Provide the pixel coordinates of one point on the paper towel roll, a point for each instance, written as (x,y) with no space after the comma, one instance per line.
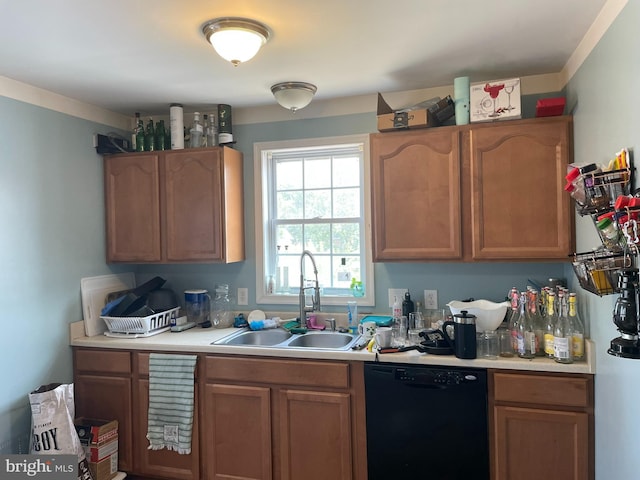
(461,96)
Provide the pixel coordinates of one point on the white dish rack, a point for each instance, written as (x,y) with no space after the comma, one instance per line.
(136,327)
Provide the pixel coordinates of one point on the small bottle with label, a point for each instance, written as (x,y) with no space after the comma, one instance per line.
(563,334)
(578,328)
(195,138)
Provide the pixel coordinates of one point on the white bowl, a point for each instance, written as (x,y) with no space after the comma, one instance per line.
(489,315)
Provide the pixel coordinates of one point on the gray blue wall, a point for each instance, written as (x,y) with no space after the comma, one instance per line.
(51,209)
(605,91)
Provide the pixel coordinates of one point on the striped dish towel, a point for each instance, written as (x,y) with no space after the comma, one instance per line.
(171,390)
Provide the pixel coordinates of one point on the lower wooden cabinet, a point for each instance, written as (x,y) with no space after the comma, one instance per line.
(541,426)
(292,419)
(102,389)
(289,419)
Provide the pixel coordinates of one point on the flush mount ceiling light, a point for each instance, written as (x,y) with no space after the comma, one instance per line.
(236,39)
(293,95)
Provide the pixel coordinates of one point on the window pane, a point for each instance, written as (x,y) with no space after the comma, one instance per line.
(317,204)
(317,173)
(346,238)
(323,263)
(346,171)
(289,205)
(289,175)
(344,273)
(289,237)
(346,203)
(317,238)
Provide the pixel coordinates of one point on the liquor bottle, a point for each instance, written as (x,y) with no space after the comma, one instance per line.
(150,137)
(578,328)
(139,133)
(205,127)
(550,324)
(537,321)
(161,136)
(563,334)
(212,132)
(527,345)
(195,140)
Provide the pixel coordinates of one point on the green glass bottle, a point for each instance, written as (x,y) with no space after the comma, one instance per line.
(150,137)
(139,133)
(161,136)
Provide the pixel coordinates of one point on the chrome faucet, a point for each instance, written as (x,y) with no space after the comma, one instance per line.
(315,307)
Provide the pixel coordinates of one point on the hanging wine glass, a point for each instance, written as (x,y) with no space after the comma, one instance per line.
(494,91)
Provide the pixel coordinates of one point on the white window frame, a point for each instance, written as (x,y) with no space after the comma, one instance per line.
(261,177)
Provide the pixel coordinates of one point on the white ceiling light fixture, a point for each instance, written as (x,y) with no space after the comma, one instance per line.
(294,95)
(236,39)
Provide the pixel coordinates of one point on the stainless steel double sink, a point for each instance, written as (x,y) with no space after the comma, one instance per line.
(279,338)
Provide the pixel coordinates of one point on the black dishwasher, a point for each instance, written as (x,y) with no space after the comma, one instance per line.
(426,422)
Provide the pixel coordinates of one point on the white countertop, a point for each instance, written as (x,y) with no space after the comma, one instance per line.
(198,340)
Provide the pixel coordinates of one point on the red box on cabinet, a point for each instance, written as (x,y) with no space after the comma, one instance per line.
(550,107)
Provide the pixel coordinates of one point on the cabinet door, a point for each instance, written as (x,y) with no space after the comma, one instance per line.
(193,191)
(315,435)
(519,208)
(416,195)
(530,444)
(132,202)
(162,463)
(108,398)
(236,436)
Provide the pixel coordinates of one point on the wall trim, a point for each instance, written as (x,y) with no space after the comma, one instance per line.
(46,99)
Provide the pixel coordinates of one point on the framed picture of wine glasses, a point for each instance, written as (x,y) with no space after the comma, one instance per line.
(495,100)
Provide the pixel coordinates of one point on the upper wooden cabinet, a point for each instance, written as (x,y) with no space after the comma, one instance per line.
(473,193)
(175,206)
(416,195)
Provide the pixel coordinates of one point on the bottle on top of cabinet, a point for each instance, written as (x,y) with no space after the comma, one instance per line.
(139,133)
(195,139)
(150,137)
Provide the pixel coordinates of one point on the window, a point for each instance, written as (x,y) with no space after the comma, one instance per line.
(313,195)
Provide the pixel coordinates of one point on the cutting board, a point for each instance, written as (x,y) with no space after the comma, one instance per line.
(94,293)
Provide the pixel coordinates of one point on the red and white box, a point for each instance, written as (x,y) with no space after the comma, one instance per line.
(495,100)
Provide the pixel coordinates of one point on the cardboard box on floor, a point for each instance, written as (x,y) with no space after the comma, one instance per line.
(100,441)
(431,113)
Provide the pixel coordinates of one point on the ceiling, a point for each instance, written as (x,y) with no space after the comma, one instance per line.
(128,56)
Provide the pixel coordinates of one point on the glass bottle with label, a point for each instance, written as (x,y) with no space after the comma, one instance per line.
(550,324)
(578,328)
(563,333)
(527,344)
(195,138)
(537,321)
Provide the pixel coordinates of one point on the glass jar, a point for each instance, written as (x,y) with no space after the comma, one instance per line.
(221,316)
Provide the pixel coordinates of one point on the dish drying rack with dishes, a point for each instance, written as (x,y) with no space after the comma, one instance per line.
(607,197)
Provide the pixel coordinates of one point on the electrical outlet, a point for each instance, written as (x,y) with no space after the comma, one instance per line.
(243,296)
(431,299)
(396,292)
